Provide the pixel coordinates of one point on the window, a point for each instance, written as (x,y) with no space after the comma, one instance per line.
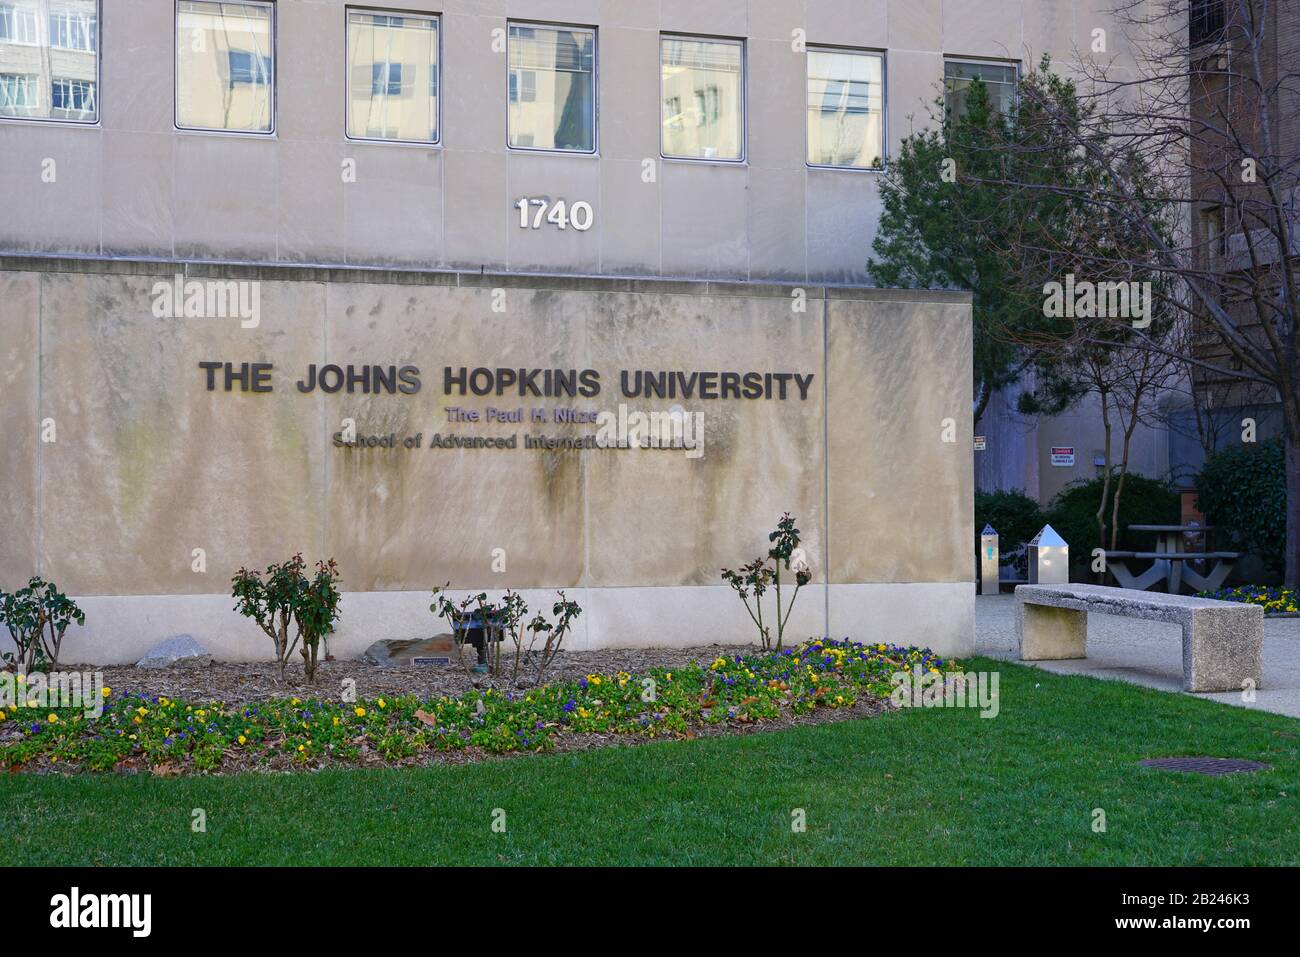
(999,81)
(73,96)
(845,109)
(73,29)
(393,84)
(705,78)
(552,88)
(225,66)
(1213,237)
(39,37)
(18,24)
(18,93)
(1206,21)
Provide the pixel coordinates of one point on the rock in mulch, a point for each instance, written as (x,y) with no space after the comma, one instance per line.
(181,651)
(398,653)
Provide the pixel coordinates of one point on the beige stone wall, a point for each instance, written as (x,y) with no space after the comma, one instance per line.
(148,465)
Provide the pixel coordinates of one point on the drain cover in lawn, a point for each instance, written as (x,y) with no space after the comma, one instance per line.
(1205,765)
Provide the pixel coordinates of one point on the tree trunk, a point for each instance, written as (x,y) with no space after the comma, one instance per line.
(1105,482)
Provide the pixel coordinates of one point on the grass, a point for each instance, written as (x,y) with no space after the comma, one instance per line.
(915,787)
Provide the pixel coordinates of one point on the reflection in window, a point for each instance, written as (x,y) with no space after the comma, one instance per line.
(18,24)
(73,96)
(702,97)
(247,67)
(552,88)
(845,109)
(224,66)
(72,29)
(999,80)
(392,77)
(42,38)
(19,94)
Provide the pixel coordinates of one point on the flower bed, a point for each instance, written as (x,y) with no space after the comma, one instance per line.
(1278,602)
(167,735)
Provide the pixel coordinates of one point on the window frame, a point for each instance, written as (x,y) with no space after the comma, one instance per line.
(981,61)
(347,79)
(98,81)
(883,56)
(595,87)
(275,73)
(743,159)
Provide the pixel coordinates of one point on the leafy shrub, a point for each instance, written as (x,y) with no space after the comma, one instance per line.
(1242,491)
(286,595)
(1014,516)
(37,618)
(509,618)
(756,577)
(1146,501)
(316,612)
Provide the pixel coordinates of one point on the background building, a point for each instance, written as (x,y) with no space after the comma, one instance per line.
(696,163)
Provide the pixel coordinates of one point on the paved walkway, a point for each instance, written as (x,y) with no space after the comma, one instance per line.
(1149,653)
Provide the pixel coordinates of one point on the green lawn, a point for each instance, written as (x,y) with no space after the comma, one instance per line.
(917,787)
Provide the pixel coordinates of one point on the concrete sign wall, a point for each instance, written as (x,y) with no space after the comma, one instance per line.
(424,428)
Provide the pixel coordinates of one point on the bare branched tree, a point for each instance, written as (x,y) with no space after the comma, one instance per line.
(1191,132)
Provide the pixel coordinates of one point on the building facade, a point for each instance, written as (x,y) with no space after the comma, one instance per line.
(258,256)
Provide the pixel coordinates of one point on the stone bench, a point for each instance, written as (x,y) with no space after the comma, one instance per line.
(1222,641)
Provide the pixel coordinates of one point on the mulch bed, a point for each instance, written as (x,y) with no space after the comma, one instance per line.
(244,682)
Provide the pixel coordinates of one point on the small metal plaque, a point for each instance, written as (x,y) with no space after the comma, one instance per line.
(1205,765)
(431,661)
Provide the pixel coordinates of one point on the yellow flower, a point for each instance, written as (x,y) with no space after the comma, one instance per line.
(295,702)
(2,714)
(382,703)
(21,678)
(336,722)
(359,711)
(142,711)
(107,692)
(54,719)
(138,720)
(242,739)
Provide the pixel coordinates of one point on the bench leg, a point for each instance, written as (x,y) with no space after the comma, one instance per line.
(1211,582)
(1141,582)
(1051,634)
(1223,650)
